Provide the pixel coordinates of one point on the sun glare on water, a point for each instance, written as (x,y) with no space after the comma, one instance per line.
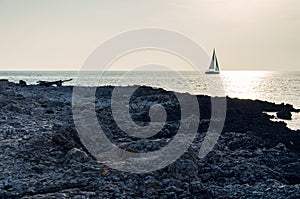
(243,84)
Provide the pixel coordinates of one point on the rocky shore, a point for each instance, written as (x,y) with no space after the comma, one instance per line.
(42,155)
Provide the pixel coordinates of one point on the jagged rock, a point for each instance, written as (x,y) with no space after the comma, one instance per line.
(77,155)
(22,83)
(49,111)
(284,114)
(42,155)
(292,174)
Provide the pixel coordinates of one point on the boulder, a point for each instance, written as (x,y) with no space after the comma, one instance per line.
(22,83)
(77,155)
(284,114)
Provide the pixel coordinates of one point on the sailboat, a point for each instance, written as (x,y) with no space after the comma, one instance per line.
(214,66)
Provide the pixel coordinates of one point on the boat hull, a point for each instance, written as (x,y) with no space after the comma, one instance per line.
(212,72)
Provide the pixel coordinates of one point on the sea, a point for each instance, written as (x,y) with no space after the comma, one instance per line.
(273,86)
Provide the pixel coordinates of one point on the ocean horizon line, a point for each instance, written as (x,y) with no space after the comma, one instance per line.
(144,71)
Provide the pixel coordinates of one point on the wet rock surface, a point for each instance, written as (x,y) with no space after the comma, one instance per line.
(42,155)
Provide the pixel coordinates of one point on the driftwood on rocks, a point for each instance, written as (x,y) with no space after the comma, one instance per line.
(57,83)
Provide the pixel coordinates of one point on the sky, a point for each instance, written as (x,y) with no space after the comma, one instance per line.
(60,34)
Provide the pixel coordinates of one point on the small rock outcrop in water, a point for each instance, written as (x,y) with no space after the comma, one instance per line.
(42,156)
(284,114)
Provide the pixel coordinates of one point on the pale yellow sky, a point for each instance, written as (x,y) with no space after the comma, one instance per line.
(60,34)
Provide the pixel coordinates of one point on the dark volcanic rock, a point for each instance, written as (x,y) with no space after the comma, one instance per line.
(22,83)
(77,155)
(42,155)
(284,114)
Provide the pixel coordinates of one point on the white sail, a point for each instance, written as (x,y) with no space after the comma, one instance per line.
(214,65)
(217,65)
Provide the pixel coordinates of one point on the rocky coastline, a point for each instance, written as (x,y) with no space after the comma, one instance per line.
(42,155)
